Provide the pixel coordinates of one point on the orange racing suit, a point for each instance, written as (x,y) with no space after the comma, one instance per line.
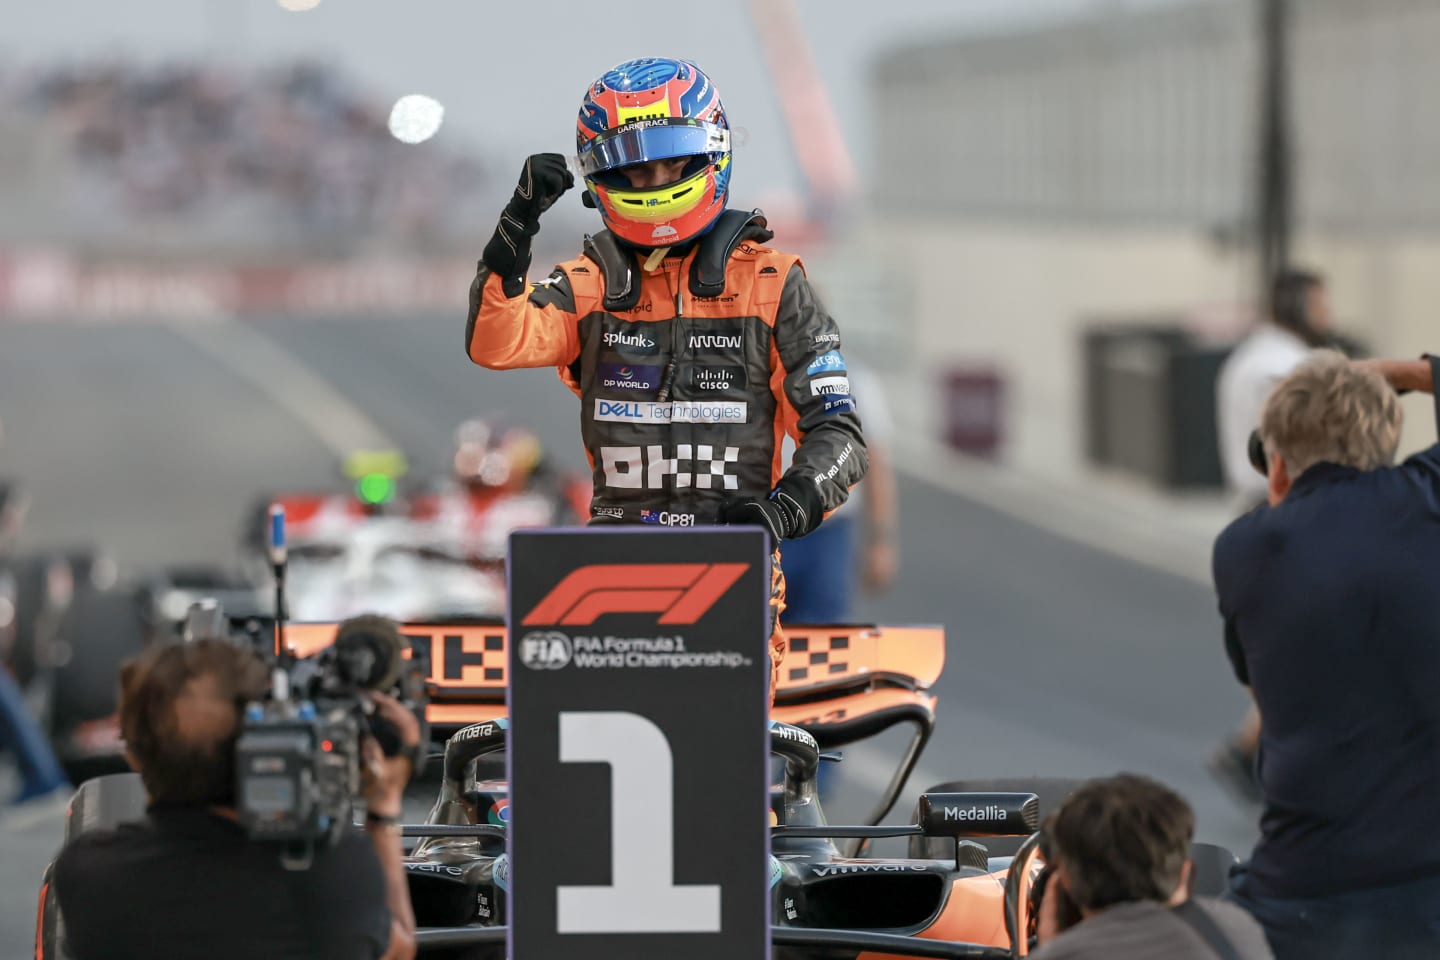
(689,375)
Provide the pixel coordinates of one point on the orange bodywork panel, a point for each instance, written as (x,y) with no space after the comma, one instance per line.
(819,715)
(820,657)
(974,913)
(468,667)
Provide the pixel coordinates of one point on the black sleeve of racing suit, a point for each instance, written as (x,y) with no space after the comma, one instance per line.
(830,445)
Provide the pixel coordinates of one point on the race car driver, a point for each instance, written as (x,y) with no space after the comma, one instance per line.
(692,346)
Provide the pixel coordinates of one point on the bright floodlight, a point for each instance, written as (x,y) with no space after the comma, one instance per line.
(298,6)
(415,118)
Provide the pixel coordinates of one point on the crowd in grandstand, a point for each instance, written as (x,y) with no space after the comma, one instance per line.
(294,150)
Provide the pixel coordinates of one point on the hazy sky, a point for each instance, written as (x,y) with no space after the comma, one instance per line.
(511,74)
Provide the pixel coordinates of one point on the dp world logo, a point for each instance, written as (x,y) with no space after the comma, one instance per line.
(545,650)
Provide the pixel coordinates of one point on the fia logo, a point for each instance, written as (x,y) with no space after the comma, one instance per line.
(545,650)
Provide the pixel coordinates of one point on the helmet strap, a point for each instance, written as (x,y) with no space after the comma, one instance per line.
(653,261)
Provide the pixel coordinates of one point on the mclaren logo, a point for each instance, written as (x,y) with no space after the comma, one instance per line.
(681,593)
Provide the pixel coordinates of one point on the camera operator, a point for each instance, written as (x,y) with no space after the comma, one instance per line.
(1332,618)
(186,881)
(1118,881)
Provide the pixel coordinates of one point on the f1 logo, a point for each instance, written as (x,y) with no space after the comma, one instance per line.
(681,593)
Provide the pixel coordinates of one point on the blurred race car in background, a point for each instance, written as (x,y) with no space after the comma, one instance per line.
(378,541)
(429,553)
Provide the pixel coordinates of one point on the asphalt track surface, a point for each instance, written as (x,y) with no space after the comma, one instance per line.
(1062,660)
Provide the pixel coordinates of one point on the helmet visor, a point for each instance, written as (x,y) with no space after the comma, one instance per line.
(647,140)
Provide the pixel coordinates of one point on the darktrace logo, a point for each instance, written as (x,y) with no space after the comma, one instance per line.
(769,271)
(681,593)
(629,376)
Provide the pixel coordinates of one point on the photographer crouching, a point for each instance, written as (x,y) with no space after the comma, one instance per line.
(188,881)
(1331,606)
(1118,877)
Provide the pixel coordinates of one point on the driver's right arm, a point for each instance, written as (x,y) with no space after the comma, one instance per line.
(538,328)
(513,323)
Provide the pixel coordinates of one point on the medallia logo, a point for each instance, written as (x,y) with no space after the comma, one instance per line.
(618,376)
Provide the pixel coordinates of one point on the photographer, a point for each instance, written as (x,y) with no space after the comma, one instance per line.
(1332,614)
(187,881)
(1118,881)
(1299,321)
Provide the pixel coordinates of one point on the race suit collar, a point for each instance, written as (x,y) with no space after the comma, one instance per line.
(619,262)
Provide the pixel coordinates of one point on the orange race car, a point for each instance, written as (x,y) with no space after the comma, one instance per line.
(965,890)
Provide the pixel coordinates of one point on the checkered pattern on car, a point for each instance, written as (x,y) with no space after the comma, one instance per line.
(817,656)
(486,652)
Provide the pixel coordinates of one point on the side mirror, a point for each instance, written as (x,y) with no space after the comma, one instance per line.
(957,815)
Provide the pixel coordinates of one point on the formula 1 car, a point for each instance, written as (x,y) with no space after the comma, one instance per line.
(410,551)
(951,897)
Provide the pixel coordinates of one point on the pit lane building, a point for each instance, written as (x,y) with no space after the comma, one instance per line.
(1027,184)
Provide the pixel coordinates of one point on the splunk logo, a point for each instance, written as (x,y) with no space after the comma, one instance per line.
(633,341)
(681,593)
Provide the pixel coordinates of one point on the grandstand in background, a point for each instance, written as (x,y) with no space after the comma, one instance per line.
(184,161)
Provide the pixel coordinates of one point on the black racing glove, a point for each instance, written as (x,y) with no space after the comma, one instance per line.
(544,180)
(792,510)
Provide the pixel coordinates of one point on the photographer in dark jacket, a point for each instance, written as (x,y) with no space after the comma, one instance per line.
(187,882)
(1332,618)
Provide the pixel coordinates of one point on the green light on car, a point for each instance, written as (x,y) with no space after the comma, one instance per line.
(375,488)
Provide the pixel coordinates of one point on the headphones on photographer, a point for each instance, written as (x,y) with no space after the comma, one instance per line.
(1259,459)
